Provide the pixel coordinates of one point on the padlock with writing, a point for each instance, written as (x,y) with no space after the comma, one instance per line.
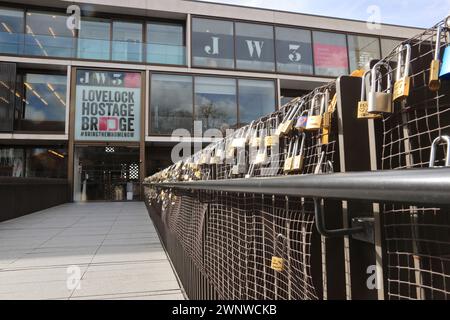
(277,262)
(380,101)
(363,103)
(314,122)
(300,124)
(297,164)
(402,79)
(434,83)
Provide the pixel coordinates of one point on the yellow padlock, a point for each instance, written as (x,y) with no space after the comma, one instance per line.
(292,150)
(277,262)
(314,122)
(401,86)
(297,164)
(435,83)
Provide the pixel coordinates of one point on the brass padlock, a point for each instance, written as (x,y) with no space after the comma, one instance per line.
(326,117)
(299,158)
(363,105)
(292,150)
(277,262)
(380,101)
(314,122)
(401,86)
(434,84)
(288,123)
(271,139)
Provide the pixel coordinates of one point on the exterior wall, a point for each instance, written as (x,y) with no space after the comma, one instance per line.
(182,10)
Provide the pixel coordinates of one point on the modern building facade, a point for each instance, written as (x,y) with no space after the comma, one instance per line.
(91,91)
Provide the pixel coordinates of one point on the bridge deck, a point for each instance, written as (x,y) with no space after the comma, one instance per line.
(112,247)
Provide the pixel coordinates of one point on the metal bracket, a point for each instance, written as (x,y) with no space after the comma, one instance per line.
(368,225)
(321,226)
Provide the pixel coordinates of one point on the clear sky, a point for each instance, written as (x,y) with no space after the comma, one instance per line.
(416,13)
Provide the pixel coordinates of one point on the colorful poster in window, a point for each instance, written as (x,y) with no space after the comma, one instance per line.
(330,56)
(108,105)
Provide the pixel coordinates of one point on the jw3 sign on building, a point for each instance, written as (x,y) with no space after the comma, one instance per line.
(108,106)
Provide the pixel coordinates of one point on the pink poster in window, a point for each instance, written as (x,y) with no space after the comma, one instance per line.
(330,56)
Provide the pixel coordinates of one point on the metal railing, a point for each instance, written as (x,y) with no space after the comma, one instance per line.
(261,215)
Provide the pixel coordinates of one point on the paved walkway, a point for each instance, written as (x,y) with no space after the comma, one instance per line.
(112,247)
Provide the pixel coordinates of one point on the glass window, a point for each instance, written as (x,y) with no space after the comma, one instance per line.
(215,102)
(387,45)
(256,99)
(46,162)
(48,35)
(127,41)
(330,54)
(212,43)
(11,31)
(294,50)
(7,96)
(362,50)
(94,39)
(44,105)
(165,43)
(42,162)
(254,47)
(171,99)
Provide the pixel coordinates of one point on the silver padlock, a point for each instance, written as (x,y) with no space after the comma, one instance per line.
(434,146)
(379,101)
(241,164)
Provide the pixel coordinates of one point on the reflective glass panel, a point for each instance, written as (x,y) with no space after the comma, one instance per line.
(165,43)
(256,99)
(127,41)
(330,54)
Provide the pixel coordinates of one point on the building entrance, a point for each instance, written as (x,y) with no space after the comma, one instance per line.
(106,173)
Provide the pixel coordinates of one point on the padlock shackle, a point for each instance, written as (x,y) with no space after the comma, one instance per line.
(434,146)
(314,102)
(437,47)
(404,47)
(280,238)
(376,70)
(302,145)
(363,85)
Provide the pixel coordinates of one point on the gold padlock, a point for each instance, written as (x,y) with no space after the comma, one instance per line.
(297,164)
(289,160)
(363,104)
(434,83)
(271,141)
(277,262)
(314,122)
(287,124)
(401,86)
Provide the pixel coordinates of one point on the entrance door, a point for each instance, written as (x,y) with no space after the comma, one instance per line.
(106,173)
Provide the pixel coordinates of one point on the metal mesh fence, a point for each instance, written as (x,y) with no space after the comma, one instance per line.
(253,246)
(417,239)
(232,238)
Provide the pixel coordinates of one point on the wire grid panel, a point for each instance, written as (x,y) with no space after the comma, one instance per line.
(244,232)
(185,219)
(417,238)
(418,252)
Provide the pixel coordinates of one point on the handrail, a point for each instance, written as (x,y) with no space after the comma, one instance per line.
(426,186)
